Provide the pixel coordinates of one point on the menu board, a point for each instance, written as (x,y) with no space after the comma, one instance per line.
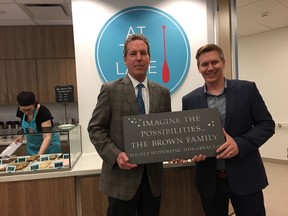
(64,94)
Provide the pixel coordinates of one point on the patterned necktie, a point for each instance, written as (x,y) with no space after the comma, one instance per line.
(140,101)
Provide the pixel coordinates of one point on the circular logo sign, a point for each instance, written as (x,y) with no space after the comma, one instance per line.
(169,46)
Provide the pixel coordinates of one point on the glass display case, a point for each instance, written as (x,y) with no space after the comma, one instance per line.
(14,157)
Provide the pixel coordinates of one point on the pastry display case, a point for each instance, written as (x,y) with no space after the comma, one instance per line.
(15,160)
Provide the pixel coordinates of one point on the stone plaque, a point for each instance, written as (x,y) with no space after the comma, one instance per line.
(166,136)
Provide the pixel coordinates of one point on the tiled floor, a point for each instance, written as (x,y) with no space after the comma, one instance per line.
(276,194)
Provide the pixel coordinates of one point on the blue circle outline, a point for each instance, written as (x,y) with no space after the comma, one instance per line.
(153,9)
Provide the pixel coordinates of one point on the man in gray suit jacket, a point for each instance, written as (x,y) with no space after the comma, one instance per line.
(130,188)
(237,173)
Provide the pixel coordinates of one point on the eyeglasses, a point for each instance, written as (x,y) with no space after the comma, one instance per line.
(26,110)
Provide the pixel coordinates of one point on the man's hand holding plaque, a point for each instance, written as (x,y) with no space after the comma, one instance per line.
(228,150)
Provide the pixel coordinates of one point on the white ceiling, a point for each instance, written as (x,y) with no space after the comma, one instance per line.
(254,16)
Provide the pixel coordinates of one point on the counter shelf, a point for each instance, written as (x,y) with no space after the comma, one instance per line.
(21,163)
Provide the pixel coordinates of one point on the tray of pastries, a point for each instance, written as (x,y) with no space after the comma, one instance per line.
(25,163)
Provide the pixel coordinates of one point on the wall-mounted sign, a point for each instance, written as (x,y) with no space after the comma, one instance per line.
(170,49)
(64,94)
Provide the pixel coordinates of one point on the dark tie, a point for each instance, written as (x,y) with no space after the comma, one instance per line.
(140,101)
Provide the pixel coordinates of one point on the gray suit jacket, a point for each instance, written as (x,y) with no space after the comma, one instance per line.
(117,99)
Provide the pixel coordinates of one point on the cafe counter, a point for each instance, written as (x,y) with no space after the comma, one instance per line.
(75,192)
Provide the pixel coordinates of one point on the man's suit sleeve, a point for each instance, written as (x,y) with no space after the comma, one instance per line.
(98,128)
(263,125)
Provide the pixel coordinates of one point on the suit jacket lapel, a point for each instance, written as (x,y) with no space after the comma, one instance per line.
(153,97)
(202,99)
(230,102)
(129,93)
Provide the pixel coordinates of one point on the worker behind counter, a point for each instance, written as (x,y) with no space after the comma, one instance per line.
(36,118)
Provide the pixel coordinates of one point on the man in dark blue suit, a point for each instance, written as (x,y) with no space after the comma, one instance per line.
(237,173)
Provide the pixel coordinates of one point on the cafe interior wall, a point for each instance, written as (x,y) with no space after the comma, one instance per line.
(89,17)
(263,59)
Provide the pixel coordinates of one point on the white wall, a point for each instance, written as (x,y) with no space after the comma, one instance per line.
(263,58)
(89,17)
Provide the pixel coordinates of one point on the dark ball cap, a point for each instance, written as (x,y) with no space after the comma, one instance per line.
(26,98)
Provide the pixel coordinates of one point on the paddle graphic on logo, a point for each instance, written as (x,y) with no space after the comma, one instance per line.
(165,68)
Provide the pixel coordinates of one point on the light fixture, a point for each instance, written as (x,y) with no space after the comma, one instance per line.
(264,14)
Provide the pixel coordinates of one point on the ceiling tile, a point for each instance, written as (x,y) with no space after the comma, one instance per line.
(266,12)
(256,10)
(6,1)
(40,1)
(256,30)
(240,3)
(47,12)
(12,11)
(247,27)
(278,22)
(283,2)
